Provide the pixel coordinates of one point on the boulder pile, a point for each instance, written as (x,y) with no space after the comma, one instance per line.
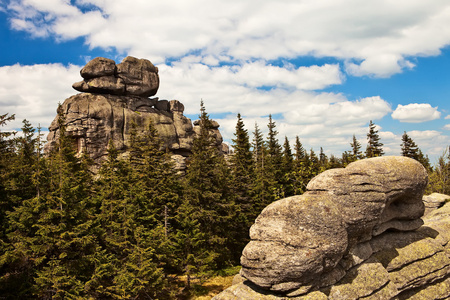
(357,233)
(138,77)
(112,98)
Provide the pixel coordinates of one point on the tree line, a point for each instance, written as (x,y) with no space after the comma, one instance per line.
(135,228)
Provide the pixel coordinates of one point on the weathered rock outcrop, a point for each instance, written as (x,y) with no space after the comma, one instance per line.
(113,98)
(356,233)
(434,201)
(137,77)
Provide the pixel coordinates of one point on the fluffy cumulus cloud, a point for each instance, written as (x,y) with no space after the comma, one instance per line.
(238,57)
(319,118)
(241,30)
(416,113)
(33,92)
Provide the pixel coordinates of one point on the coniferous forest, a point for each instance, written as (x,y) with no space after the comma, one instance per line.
(138,229)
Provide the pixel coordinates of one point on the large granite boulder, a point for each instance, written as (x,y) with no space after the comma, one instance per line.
(113,98)
(357,233)
(137,77)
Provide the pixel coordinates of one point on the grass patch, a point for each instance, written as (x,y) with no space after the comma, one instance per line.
(206,289)
(211,287)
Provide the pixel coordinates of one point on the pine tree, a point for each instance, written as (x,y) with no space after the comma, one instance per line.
(243,173)
(273,161)
(439,179)
(54,230)
(7,156)
(300,152)
(323,160)
(355,153)
(273,147)
(314,165)
(133,221)
(207,183)
(301,167)
(261,191)
(287,167)
(346,158)
(20,181)
(259,147)
(410,149)
(192,252)
(334,162)
(374,146)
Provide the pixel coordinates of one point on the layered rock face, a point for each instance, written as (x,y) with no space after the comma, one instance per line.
(112,98)
(357,233)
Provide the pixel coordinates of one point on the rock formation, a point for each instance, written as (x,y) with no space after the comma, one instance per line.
(357,233)
(112,98)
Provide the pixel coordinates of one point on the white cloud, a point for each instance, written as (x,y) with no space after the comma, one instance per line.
(33,92)
(242,30)
(447,127)
(447,117)
(223,51)
(238,88)
(416,113)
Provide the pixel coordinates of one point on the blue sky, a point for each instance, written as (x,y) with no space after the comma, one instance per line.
(323,69)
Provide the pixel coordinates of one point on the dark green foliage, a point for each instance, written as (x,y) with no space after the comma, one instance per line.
(300,168)
(127,232)
(287,170)
(261,187)
(323,160)
(52,232)
(274,152)
(374,146)
(132,217)
(355,153)
(439,178)
(410,149)
(242,167)
(267,155)
(207,188)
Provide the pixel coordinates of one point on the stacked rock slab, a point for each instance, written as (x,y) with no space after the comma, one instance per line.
(112,98)
(357,233)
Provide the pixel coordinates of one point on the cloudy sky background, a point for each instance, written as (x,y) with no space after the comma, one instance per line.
(323,69)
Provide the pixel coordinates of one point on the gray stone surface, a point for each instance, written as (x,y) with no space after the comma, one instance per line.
(290,254)
(115,96)
(132,77)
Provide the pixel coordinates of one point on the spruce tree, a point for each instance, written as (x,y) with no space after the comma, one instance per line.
(301,167)
(206,187)
(374,146)
(242,169)
(439,179)
(355,153)
(410,149)
(287,167)
(7,157)
(323,160)
(314,165)
(132,217)
(273,161)
(54,230)
(335,162)
(261,191)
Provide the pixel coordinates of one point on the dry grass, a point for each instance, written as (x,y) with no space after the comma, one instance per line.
(212,287)
(205,289)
